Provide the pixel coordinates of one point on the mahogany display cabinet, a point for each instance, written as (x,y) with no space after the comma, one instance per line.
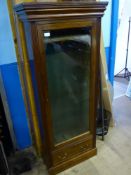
(62,42)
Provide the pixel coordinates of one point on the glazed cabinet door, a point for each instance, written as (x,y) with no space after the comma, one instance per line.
(67,61)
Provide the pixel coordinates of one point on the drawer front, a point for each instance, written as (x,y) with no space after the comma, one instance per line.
(71,151)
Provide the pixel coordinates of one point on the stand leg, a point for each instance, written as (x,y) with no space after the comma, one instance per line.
(127,74)
(119,72)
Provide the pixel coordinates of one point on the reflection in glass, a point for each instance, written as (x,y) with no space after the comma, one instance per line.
(68,72)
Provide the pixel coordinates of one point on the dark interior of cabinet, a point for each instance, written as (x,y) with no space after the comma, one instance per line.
(4,131)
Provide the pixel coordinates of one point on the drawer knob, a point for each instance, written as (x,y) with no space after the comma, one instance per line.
(84,148)
(63,156)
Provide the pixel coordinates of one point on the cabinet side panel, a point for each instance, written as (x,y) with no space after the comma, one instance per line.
(27,28)
(28,88)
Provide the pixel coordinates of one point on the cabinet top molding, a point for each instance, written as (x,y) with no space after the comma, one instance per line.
(42,10)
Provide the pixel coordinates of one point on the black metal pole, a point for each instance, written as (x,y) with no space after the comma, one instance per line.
(101,107)
(128,40)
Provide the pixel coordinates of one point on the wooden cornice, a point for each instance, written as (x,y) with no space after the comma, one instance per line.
(40,11)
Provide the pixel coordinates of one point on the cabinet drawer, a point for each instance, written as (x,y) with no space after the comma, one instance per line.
(71,151)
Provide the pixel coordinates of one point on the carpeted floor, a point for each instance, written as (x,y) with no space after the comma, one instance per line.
(114,154)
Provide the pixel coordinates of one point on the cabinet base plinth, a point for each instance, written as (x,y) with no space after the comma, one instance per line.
(72,162)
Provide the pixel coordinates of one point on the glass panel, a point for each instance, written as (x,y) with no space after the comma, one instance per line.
(68,72)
